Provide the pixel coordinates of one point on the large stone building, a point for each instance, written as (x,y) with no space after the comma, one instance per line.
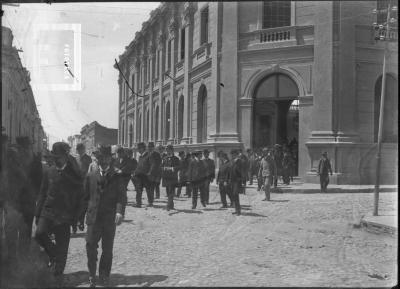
(219,75)
(95,134)
(19,114)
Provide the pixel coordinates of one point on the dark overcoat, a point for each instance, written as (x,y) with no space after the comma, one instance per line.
(170,167)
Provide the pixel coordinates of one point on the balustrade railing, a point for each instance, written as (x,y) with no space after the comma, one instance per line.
(277,34)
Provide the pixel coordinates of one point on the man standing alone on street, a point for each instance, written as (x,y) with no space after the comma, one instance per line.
(106,196)
(210,168)
(268,172)
(324,167)
(59,205)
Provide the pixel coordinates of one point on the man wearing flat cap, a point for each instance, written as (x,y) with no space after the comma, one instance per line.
(105,194)
(59,205)
(267,172)
(324,167)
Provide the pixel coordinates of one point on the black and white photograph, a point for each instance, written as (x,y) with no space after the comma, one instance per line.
(199,144)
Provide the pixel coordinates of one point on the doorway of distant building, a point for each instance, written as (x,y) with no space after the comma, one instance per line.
(276,113)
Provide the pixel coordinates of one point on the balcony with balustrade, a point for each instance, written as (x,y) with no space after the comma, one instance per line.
(277,37)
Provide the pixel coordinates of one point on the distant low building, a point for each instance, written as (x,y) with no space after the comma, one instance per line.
(95,134)
(73,141)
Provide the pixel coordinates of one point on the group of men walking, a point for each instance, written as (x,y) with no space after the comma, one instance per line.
(64,191)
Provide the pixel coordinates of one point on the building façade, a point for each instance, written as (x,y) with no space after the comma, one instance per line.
(222,75)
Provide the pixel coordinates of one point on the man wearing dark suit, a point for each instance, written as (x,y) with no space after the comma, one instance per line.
(324,167)
(236,179)
(210,168)
(223,180)
(59,205)
(105,192)
(160,150)
(170,167)
(140,177)
(154,174)
(196,177)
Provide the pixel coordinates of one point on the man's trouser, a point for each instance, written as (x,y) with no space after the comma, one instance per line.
(207,190)
(225,190)
(157,190)
(196,187)
(170,194)
(236,189)
(104,229)
(141,182)
(268,180)
(57,252)
(324,181)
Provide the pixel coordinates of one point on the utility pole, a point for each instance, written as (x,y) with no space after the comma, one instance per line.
(383,33)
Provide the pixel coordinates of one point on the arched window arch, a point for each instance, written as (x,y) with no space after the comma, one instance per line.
(180,117)
(202,115)
(277,85)
(167,120)
(390,120)
(139,128)
(157,117)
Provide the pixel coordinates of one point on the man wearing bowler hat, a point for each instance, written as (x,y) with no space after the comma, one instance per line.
(105,192)
(196,177)
(59,205)
(140,177)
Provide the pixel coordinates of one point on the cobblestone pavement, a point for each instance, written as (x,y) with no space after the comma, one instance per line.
(294,240)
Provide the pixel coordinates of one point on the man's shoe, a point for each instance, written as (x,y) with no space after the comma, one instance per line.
(92,282)
(265,199)
(204,204)
(224,207)
(150,205)
(104,281)
(233,213)
(193,207)
(137,206)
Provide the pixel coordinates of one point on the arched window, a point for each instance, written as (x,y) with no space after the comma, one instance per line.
(167,120)
(139,128)
(180,117)
(130,135)
(390,119)
(277,85)
(202,115)
(156,137)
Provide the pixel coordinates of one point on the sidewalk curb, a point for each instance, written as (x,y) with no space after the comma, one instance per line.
(380,224)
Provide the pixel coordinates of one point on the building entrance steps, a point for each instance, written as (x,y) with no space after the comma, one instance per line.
(385,223)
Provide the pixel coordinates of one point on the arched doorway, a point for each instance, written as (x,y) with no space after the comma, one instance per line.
(167,120)
(390,113)
(202,115)
(276,113)
(180,117)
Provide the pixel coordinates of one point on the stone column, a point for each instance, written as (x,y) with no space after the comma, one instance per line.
(172,38)
(151,59)
(161,40)
(187,24)
(143,61)
(228,94)
(136,99)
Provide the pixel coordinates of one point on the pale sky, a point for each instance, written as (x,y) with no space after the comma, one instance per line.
(106,28)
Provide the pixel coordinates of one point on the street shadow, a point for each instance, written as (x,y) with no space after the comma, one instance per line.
(127,221)
(177,211)
(78,235)
(254,215)
(81,278)
(279,201)
(210,209)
